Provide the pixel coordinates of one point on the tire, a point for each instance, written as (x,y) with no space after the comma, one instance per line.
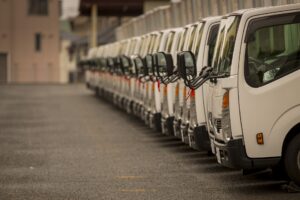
(157,122)
(292,159)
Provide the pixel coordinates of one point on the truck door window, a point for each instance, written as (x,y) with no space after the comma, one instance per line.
(212,40)
(272,52)
(199,32)
(192,37)
(169,42)
(225,45)
(152,41)
(182,39)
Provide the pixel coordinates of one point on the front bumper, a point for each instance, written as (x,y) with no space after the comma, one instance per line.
(167,125)
(233,155)
(155,121)
(199,138)
(88,86)
(129,106)
(146,116)
(176,128)
(184,126)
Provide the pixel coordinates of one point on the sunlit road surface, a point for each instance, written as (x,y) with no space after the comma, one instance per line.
(61,142)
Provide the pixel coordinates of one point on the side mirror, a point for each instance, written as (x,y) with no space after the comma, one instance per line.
(187,65)
(103,63)
(90,64)
(149,64)
(125,64)
(164,65)
(139,66)
(110,62)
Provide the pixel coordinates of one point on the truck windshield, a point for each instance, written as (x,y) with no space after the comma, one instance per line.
(225,45)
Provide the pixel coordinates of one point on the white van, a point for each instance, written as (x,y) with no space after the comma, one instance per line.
(185,43)
(168,78)
(129,76)
(165,44)
(148,80)
(194,123)
(141,76)
(253,90)
(90,72)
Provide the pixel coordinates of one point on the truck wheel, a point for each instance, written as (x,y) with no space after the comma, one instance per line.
(292,159)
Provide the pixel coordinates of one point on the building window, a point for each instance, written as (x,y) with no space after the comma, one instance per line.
(38,7)
(38,42)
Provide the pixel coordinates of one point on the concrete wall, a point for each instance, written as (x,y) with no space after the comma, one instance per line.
(17,38)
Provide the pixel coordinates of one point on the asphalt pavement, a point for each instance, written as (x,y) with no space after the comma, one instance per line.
(60,142)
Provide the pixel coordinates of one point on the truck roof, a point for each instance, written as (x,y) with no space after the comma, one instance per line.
(263,10)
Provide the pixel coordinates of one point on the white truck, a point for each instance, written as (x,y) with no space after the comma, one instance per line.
(185,43)
(168,77)
(252,90)
(201,55)
(165,45)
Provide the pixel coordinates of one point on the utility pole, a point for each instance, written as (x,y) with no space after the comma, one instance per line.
(94,21)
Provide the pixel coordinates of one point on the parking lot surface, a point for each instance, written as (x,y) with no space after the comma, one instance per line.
(61,142)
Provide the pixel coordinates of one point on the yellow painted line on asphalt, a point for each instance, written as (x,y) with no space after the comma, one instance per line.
(137,190)
(130,177)
(133,190)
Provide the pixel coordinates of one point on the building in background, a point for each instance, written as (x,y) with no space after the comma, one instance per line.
(67,60)
(98,26)
(29,41)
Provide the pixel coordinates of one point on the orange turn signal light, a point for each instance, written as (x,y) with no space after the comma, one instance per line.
(225,100)
(260,138)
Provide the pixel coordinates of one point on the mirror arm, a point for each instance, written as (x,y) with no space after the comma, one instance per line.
(208,77)
(200,83)
(166,80)
(174,78)
(143,79)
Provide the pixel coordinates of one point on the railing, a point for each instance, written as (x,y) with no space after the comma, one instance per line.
(187,11)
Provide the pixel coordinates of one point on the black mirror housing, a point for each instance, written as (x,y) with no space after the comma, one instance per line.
(187,65)
(149,64)
(165,66)
(110,62)
(125,64)
(139,66)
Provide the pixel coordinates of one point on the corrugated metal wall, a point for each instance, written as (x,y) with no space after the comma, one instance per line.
(185,12)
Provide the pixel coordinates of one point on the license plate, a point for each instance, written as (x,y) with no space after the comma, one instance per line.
(218,155)
(213,150)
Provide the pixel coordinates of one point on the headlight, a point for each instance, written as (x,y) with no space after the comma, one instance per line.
(226,123)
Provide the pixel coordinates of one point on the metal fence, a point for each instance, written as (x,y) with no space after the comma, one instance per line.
(184,12)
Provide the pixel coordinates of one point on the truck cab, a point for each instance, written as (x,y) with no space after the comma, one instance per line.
(141,74)
(90,72)
(165,45)
(253,100)
(136,58)
(126,63)
(168,76)
(190,65)
(180,89)
(150,89)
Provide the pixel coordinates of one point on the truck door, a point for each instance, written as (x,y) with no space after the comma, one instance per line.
(269,81)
